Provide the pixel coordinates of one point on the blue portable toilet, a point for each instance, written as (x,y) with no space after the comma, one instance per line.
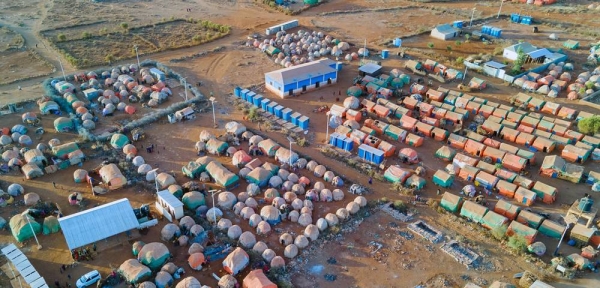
(303,122)
(333,139)
(271,107)
(294,118)
(257,99)
(457,24)
(348,144)
(398,42)
(243,94)
(339,141)
(377,156)
(385,54)
(264,103)
(362,151)
(370,154)
(286,114)
(484,29)
(250,97)
(498,32)
(237,91)
(278,111)
(514,17)
(526,20)
(338,66)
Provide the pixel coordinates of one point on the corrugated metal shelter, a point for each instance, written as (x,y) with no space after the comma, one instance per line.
(551,229)
(525,196)
(514,163)
(24,267)
(443,179)
(468,173)
(98,223)
(530,219)
(457,141)
(516,228)
(545,192)
(473,211)
(507,209)
(451,202)
(506,188)
(493,220)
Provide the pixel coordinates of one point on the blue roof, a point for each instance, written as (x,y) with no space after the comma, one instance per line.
(301,72)
(494,64)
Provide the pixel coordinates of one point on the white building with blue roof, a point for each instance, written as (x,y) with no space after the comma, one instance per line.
(302,78)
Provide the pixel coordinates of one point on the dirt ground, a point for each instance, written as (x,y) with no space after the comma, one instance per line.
(219,73)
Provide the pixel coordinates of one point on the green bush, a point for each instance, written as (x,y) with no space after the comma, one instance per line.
(109,58)
(499,233)
(457,42)
(400,206)
(86,35)
(430,45)
(590,125)
(196,38)
(124,26)
(61,37)
(518,243)
(449,48)
(460,60)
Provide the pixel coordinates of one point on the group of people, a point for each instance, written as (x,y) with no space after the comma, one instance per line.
(83,253)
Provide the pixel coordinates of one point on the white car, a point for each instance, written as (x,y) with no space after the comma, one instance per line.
(88,279)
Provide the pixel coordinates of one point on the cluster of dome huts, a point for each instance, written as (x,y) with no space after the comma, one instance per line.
(557,79)
(19,151)
(305,46)
(273,195)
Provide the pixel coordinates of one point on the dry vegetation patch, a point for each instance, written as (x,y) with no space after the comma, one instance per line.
(100,44)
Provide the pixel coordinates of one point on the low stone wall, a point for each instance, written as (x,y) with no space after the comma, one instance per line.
(426,231)
(460,253)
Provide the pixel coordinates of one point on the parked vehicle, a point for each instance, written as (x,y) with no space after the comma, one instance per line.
(88,279)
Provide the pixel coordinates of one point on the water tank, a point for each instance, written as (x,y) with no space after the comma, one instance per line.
(585,204)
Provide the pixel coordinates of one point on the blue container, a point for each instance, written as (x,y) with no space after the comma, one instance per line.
(250,97)
(333,138)
(457,24)
(243,94)
(278,111)
(385,54)
(348,144)
(585,204)
(294,118)
(339,141)
(397,42)
(257,99)
(303,122)
(485,29)
(237,91)
(271,107)
(264,103)
(286,114)
(499,33)
(526,20)
(338,66)
(515,17)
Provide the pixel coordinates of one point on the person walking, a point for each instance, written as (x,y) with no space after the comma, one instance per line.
(56,283)
(54,184)
(370,180)
(94,246)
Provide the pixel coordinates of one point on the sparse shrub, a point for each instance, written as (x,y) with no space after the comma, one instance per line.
(400,206)
(518,243)
(457,42)
(378,176)
(208,36)
(109,58)
(86,35)
(430,45)
(302,142)
(498,51)
(253,114)
(467,37)
(196,38)
(449,48)
(124,26)
(384,200)
(103,31)
(433,203)
(61,37)
(460,60)
(499,233)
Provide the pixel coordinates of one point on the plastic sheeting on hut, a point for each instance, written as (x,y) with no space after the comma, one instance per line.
(112,176)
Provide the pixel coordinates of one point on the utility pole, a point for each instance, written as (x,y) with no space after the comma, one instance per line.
(291,141)
(472,14)
(213,192)
(327,129)
(499,10)
(212,100)
(61,68)
(25,214)
(137,56)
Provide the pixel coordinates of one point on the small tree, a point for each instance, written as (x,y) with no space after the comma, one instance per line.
(518,243)
(449,48)
(467,37)
(519,62)
(457,42)
(430,45)
(499,233)
(460,60)
(253,114)
(196,38)
(590,125)
(61,37)
(124,26)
